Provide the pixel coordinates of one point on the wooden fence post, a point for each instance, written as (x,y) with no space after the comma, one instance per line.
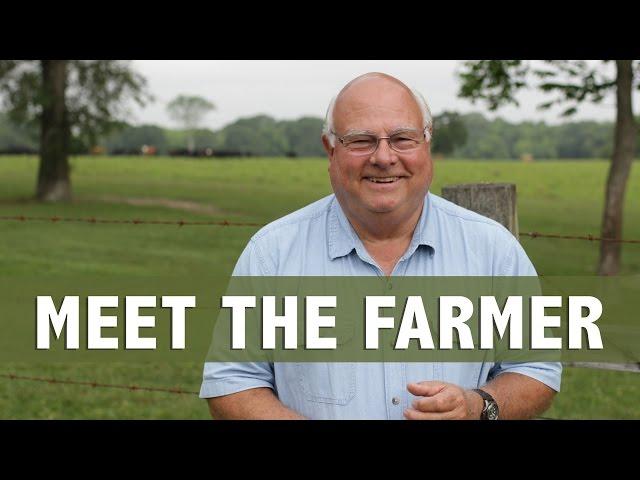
(494,200)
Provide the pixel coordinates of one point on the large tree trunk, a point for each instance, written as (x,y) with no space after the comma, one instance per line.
(623,151)
(54,183)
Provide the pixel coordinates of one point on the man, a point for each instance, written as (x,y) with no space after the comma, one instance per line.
(381,220)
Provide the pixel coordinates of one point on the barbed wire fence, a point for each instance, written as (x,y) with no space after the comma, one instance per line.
(14,377)
(227,223)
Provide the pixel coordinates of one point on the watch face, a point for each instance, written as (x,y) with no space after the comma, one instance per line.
(492,411)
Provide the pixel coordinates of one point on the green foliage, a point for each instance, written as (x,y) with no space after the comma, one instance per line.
(449,132)
(203,138)
(303,136)
(259,135)
(585,139)
(130,139)
(17,138)
(189,110)
(471,136)
(97,94)
(495,81)
(498,81)
(499,139)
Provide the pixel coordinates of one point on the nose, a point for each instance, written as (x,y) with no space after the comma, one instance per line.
(384,156)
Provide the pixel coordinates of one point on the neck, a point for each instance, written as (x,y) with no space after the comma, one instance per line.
(385,227)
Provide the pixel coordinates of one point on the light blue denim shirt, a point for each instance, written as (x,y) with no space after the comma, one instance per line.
(318,240)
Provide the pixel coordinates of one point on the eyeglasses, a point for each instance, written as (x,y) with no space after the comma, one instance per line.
(366,143)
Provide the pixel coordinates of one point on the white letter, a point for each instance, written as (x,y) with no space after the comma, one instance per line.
(414,309)
(238,304)
(178,306)
(46,311)
(315,321)
(96,321)
(135,321)
(539,321)
(448,322)
(373,322)
(490,313)
(288,321)
(577,322)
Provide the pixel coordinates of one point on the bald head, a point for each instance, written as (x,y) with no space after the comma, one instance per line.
(371,79)
(375,90)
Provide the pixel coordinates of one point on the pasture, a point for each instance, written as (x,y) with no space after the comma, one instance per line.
(553,197)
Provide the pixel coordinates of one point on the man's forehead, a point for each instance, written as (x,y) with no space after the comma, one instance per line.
(378,96)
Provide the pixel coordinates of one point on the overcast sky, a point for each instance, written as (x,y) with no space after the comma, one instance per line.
(290,89)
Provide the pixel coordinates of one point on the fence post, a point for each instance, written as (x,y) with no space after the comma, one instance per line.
(494,200)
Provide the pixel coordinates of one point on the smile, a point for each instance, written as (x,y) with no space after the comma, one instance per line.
(382,179)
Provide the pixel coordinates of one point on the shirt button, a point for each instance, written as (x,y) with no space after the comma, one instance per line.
(390,286)
(395,401)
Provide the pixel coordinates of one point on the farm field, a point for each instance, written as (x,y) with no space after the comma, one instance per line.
(553,197)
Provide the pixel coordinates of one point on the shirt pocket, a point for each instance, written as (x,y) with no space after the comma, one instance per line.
(329,382)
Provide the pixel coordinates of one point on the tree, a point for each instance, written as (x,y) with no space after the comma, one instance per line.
(303,136)
(574,82)
(131,139)
(259,135)
(64,97)
(449,133)
(188,111)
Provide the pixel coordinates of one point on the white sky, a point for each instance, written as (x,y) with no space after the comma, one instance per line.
(290,89)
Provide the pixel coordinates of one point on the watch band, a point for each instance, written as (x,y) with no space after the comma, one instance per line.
(490,409)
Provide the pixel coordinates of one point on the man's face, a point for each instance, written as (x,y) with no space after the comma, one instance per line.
(386,180)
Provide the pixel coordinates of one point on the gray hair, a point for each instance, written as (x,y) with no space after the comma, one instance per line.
(427,120)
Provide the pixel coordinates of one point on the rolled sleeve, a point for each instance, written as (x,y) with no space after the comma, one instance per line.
(225,378)
(549,373)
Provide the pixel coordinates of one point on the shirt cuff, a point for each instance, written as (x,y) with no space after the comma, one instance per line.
(218,388)
(549,373)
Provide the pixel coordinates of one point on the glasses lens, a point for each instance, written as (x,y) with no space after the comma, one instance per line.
(404,141)
(360,143)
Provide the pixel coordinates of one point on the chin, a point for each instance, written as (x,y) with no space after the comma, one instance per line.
(383,206)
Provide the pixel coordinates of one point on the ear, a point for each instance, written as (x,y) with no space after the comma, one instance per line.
(429,133)
(327,146)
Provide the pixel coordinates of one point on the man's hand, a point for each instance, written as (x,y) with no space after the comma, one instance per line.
(443,401)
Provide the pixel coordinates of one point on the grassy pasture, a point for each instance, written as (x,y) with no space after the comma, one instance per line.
(553,197)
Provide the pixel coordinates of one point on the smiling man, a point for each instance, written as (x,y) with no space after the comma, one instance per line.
(381,220)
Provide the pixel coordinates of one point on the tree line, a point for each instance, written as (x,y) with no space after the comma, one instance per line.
(470,136)
(74,102)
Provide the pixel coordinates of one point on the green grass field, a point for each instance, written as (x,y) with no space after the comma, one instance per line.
(553,197)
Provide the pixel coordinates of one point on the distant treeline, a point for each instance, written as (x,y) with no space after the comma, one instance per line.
(462,136)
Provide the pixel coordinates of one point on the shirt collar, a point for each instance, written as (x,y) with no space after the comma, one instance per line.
(343,239)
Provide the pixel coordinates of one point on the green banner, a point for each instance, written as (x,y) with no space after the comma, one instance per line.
(319,319)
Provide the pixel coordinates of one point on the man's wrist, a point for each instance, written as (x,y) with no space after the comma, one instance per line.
(476,404)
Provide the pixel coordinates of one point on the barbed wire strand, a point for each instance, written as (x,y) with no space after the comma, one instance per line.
(132,388)
(227,223)
(135,221)
(588,237)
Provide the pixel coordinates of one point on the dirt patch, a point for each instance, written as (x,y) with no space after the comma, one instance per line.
(185,205)
(174,204)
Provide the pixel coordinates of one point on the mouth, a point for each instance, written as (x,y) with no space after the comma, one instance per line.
(383,180)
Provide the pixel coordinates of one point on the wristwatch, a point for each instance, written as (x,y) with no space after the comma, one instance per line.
(490,410)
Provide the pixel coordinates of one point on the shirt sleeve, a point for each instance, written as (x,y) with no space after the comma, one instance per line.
(225,378)
(548,373)
(515,262)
